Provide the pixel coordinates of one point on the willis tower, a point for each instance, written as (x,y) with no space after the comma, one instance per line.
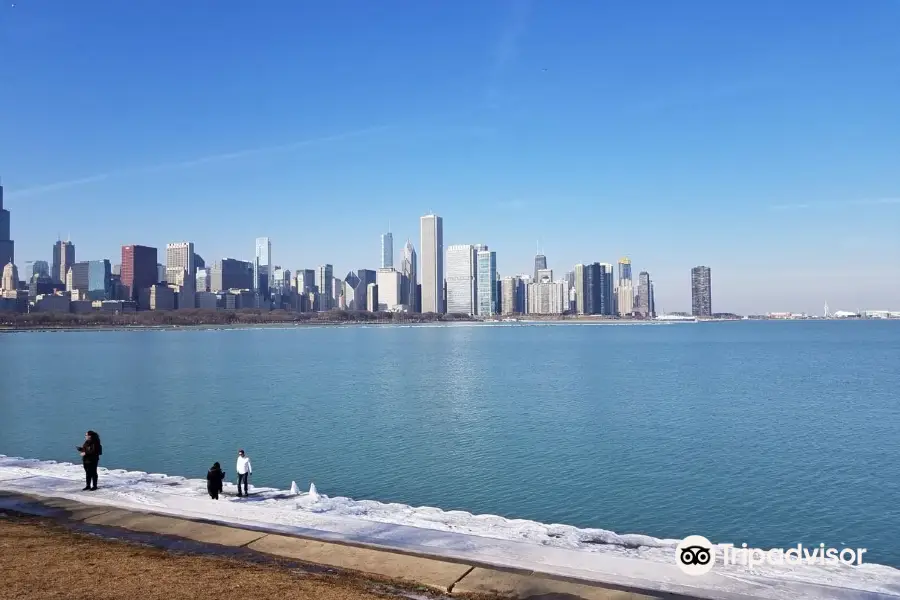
(7,253)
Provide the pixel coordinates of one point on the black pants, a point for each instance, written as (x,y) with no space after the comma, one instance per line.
(90,474)
(243,477)
(213,493)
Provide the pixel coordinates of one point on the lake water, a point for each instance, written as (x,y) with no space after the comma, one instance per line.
(769,433)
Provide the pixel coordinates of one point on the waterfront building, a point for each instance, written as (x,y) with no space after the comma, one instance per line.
(229,273)
(701,292)
(486,274)
(387,250)
(547,298)
(40,268)
(461,289)
(180,257)
(10,280)
(389,282)
(139,270)
(7,246)
(645,295)
(63,259)
(432,248)
(372,297)
(324,283)
(540,263)
(408,270)
(262,267)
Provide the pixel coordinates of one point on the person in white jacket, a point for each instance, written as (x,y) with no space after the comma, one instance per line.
(243,469)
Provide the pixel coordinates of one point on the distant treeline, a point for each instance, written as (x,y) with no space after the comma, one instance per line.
(193,317)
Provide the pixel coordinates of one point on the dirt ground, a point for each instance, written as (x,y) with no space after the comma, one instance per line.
(41,560)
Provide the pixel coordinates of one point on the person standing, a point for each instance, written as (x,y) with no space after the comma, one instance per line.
(243,469)
(214,479)
(90,458)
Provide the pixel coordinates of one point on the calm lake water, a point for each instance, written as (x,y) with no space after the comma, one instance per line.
(761,432)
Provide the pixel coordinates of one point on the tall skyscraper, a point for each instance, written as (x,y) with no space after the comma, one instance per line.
(324,281)
(10,279)
(40,268)
(461,288)
(139,270)
(486,274)
(387,250)
(388,281)
(540,263)
(432,248)
(7,246)
(408,270)
(701,292)
(306,280)
(645,295)
(180,259)
(228,273)
(625,288)
(63,259)
(366,278)
(262,266)
(580,290)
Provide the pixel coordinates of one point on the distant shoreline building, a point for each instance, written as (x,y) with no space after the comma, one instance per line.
(7,246)
(431,247)
(701,292)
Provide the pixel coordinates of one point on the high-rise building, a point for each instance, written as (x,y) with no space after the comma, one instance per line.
(543,276)
(161,275)
(548,298)
(388,282)
(408,270)
(180,258)
(262,266)
(512,297)
(306,281)
(10,280)
(41,269)
(645,295)
(63,259)
(624,269)
(324,281)
(578,284)
(230,274)
(366,278)
(139,270)
(432,248)
(486,274)
(7,246)
(625,288)
(701,292)
(540,263)
(387,250)
(78,273)
(461,288)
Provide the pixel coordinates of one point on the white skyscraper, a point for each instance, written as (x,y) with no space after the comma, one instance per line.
(461,286)
(388,282)
(179,260)
(262,266)
(432,248)
(387,250)
(324,282)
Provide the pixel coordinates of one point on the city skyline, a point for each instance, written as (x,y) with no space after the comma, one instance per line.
(773,164)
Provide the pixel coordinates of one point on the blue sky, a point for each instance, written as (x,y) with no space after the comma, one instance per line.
(759,138)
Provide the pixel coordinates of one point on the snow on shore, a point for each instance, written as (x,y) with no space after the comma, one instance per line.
(591,554)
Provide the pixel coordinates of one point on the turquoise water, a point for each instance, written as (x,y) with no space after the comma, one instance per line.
(769,433)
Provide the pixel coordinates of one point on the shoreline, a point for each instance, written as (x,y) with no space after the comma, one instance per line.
(594,556)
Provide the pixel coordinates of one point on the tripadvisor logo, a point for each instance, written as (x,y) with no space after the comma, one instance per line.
(696,555)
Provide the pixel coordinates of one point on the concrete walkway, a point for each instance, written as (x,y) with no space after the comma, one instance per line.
(454,578)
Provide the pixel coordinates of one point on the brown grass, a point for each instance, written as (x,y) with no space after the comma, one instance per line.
(42,561)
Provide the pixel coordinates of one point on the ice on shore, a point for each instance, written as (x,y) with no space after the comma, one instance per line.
(593,554)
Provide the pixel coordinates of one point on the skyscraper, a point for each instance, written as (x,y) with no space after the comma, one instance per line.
(7,246)
(625,288)
(580,290)
(10,279)
(486,274)
(387,250)
(645,295)
(408,270)
(139,270)
(461,288)
(701,292)
(63,259)
(324,281)
(180,259)
(262,266)
(366,278)
(40,268)
(432,247)
(540,263)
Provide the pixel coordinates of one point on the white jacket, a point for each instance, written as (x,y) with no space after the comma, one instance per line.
(243,465)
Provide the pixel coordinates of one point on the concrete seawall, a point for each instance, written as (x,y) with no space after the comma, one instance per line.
(440,575)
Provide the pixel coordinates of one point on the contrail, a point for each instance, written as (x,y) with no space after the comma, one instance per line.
(186,164)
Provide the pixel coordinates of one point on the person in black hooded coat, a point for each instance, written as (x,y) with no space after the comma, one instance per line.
(90,458)
(214,478)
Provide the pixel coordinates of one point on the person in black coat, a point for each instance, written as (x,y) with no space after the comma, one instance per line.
(90,458)
(214,478)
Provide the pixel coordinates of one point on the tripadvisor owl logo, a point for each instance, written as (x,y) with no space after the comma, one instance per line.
(695,555)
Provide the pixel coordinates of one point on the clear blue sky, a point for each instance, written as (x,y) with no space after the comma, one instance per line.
(760,138)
